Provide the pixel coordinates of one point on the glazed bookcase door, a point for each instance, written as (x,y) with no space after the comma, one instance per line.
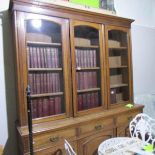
(87,67)
(46,65)
(119,62)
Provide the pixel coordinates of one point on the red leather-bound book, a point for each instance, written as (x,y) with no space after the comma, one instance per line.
(48,56)
(41,83)
(34,87)
(48,82)
(40,108)
(34,108)
(45,107)
(45,82)
(92,100)
(38,57)
(42,58)
(45,57)
(96,99)
(52,106)
(38,83)
(84,101)
(94,79)
(80,102)
(88,100)
(94,58)
(34,55)
(57,105)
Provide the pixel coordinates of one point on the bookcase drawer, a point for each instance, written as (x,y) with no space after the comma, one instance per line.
(53,150)
(126,118)
(53,138)
(96,126)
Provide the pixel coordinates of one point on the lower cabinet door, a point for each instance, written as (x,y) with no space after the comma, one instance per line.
(55,149)
(89,145)
(123,131)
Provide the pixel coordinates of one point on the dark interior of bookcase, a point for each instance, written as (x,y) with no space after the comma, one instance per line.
(87,53)
(44,59)
(118,66)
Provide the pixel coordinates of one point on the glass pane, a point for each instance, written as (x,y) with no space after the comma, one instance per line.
(45,70)
(118,65)
(87,53)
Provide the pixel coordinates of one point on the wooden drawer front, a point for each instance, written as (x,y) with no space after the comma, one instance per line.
(96,126)
(126,118)
(53,150)
(53,138)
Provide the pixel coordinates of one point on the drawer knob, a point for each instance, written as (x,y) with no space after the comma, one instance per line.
(98,127)
(54,139)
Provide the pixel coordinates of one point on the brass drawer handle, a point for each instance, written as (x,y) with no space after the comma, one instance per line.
(54,139)
(98,127)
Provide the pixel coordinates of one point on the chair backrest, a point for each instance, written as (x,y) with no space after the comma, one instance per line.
(68,148)
(143,127)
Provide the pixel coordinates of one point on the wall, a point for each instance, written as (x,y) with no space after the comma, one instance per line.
(7,83)
(143,36)
(3,116)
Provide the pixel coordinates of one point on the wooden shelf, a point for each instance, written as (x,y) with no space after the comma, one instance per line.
(47,94)
(44,69)
(115,67)
(42,43)
(118,48)
(87,47)
(88,90)
(118,85)
(89,68)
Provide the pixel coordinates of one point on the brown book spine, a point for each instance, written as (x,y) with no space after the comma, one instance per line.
(57,105)
(51,106)
(92,100)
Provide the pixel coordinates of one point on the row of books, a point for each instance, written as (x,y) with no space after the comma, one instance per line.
(86,80)
(46,107)
(88,100)
(44,82)
(86,58)
(43,57)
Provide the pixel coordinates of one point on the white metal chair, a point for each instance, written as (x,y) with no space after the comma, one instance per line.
(68,148)
(143,127)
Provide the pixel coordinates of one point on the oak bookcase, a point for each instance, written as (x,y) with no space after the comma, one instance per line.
(78,66)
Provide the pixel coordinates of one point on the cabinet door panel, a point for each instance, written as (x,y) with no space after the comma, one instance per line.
(89,145)
(119,62)
(44,65)
(87,66)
